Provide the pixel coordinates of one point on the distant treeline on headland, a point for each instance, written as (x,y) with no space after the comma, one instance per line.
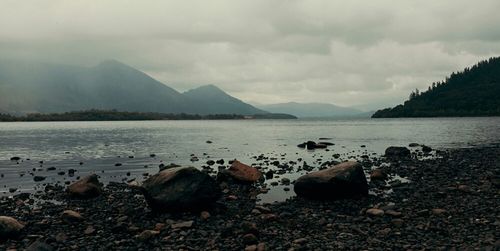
(472,92)
(113,115)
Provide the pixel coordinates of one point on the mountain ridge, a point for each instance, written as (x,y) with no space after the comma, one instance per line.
(313,109)
(50,88)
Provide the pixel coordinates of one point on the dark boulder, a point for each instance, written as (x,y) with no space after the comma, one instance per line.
(345,180)
(87,187)
(397,151)
(426,149)
(180,189)
(15,158)
(9,227)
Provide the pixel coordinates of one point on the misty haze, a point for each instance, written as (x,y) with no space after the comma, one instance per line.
(249,125)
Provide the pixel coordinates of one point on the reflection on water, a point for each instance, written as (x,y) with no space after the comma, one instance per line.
(97,146)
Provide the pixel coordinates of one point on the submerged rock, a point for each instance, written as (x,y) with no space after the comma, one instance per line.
(180,189)
(87,187)
(9,227)
(344,180)
(241,172)
(397,151)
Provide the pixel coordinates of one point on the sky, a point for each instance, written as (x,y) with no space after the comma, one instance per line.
(369,54)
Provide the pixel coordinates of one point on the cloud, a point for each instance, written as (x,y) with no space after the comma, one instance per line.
(348,53)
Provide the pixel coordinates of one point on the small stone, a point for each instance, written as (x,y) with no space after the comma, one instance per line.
(249,239)
(375,212)
(263,209)
(147,234)
(300,241)
(393,213)
(438,211)
(89,230)
(38,178)
(261,246)
(160,226)
(71,216)
(251,248)
(397,222)
(185,224)
(61,237)
(269,217)
(378,174)
(204,215)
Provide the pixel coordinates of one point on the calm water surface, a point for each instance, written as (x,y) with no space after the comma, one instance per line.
(99,145)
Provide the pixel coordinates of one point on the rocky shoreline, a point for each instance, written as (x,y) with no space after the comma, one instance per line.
(451,202)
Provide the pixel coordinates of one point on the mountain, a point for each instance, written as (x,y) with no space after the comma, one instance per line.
(304,110)
(211,100)
(474,91)
(48,88)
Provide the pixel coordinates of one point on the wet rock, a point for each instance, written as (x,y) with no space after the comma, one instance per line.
(15,158)
(89,230)
(397,152)
(171,165)
(184,224)
(378,174)
(426,149)
(249,239)
(241,172)
(180,189)
(414,145)
(87,187)
(147,234)
(38,178)
(438,211)
(345,180)
(210,162)
(71,216)
(204,215)
(9,227)
(374,212)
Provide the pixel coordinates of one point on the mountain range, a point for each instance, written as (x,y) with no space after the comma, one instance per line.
(314,110)
(50,88)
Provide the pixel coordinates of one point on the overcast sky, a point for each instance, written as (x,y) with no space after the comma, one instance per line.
(341,52)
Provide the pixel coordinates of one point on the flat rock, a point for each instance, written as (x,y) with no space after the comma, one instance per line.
(375,212)
(242,172)
(345,180)
(184,224)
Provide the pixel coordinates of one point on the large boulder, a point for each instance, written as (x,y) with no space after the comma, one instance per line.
(397,151)
(241,172)
(87,187)
(180,189)
(9,227)
(345,180)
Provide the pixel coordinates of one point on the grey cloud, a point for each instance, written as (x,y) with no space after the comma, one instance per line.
(344,52)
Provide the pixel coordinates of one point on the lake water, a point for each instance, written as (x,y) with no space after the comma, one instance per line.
(100,145)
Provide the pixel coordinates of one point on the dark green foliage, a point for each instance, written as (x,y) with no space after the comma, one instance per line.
(113,115)
(473,92)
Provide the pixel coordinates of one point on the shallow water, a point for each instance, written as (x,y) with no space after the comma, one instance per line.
(100,145)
